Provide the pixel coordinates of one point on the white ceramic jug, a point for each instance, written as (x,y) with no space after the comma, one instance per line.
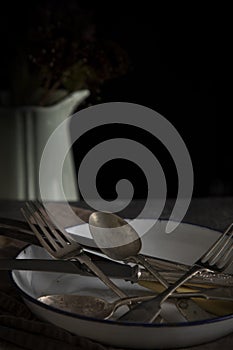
(24,131)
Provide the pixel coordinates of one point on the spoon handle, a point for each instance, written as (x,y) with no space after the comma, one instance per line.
(84,259)
(142,260)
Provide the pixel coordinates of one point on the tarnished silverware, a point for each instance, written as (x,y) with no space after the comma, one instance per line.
(217,258)
(171,271)
(117,270)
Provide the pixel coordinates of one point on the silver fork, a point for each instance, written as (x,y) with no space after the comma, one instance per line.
(60,245)
(217,258)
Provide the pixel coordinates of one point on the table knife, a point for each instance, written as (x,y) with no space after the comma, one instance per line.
(74,267)
(21,231)
(112,269)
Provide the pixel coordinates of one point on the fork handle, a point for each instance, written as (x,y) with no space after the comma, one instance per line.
(84,259)
(149,310)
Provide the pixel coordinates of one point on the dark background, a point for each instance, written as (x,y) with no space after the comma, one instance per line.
(179,66)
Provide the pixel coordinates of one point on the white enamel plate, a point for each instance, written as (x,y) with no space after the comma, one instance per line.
(186,244)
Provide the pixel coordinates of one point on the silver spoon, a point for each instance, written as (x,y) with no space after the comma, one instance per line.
(118,240)
(91,306)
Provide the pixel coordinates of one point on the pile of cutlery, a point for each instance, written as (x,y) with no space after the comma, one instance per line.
(207,274)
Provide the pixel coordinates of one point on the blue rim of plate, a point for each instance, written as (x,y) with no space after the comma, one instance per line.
(113,322)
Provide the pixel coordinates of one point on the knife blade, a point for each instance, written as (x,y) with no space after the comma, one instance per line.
(73,267)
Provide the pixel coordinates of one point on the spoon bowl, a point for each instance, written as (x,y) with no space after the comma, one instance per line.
(118,240)
(114,236)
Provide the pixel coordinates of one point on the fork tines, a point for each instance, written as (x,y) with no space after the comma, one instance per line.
(49,236)
(220,253)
